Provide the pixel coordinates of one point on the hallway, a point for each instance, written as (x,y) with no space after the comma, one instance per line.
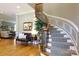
(7,49)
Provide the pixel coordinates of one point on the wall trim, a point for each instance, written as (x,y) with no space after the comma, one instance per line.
(11,21)
(22,13)
(64,19)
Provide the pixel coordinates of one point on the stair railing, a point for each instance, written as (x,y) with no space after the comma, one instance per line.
(69,27)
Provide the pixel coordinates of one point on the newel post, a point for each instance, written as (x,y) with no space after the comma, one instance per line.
(77,41)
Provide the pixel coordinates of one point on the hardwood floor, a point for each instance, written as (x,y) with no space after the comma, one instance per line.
(7,48)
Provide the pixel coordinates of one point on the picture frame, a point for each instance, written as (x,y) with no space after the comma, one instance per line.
(27,26)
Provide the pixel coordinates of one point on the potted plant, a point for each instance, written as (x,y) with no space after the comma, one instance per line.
(39,25)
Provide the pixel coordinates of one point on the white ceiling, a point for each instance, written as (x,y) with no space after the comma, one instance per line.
(24,8)
(10,9)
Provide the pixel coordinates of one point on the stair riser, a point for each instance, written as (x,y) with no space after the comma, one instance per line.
(62,43)
(59,40)
(61,46)
(58,53)
(53,29)
(55,32)
(57,35)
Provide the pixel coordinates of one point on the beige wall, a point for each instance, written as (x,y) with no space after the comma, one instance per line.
(66,10)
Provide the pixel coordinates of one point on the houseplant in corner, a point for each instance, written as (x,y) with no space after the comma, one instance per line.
(39,25)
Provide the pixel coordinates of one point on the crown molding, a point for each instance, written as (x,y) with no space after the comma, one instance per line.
(22,13)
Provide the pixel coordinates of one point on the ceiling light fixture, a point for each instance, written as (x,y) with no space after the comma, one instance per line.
(18,7)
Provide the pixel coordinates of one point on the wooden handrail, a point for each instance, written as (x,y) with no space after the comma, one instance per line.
(39,13)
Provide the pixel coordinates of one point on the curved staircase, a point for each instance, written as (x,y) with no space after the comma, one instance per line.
(61,38)
(59,43)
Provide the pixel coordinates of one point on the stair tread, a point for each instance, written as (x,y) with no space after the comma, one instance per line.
(61,37)
(55,31)
(64,50)
(52,28)
(57,47)
(60,33)
(59,40)
(65,43)
(60,51)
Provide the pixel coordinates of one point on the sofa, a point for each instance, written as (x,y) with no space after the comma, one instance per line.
(7,34)
(4,34)
(24,37)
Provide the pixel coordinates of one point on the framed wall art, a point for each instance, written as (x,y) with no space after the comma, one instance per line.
(27,26)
